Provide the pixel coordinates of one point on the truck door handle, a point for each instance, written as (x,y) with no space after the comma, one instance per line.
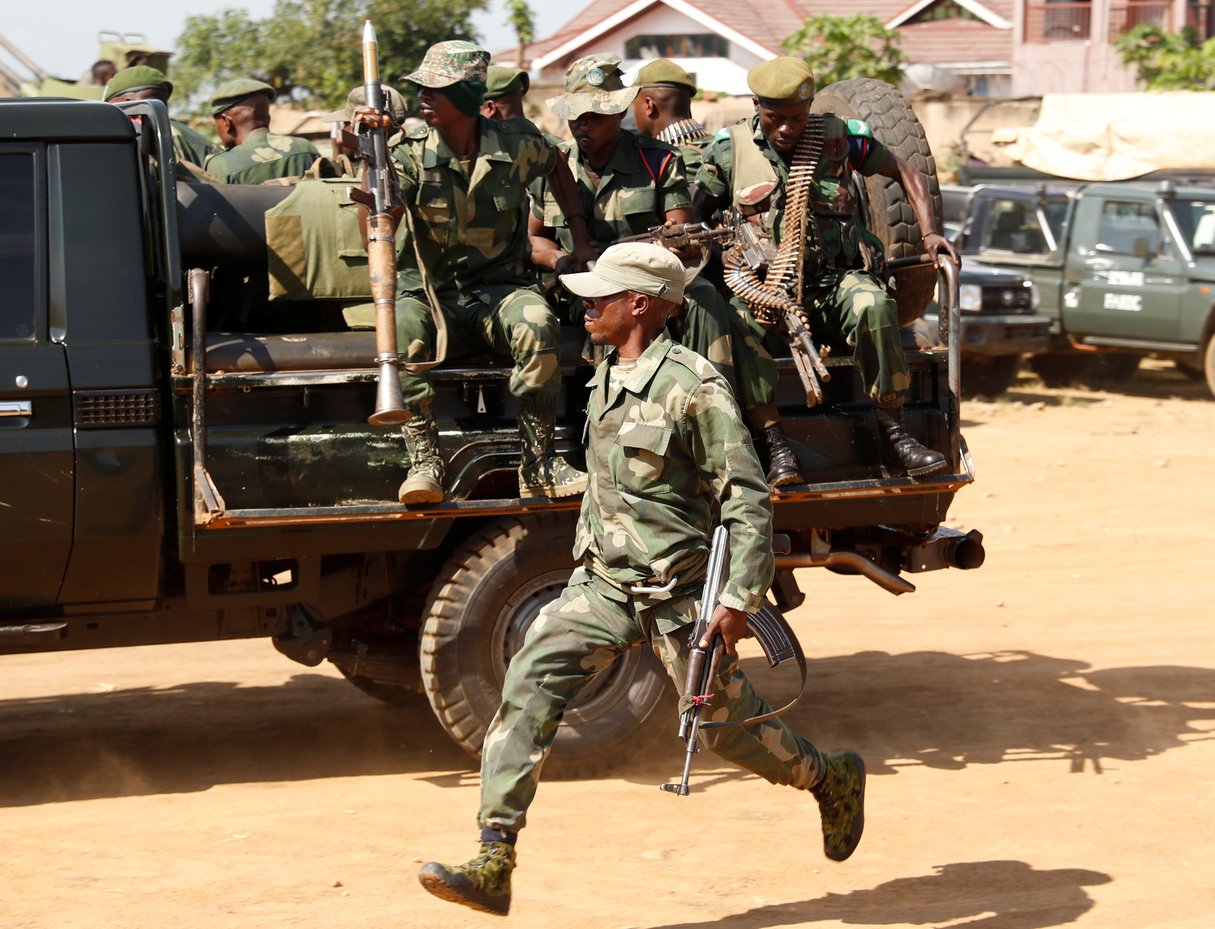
(16,408)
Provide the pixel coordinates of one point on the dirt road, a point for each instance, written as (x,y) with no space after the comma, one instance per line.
(1038,733)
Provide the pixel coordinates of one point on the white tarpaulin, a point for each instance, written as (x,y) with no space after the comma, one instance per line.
(1113,137)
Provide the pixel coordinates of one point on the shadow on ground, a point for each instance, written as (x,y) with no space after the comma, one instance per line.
(917,708)
(972,894)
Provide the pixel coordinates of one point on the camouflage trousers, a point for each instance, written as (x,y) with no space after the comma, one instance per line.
(852,313)
(511,319)
(709,328)
(582,632)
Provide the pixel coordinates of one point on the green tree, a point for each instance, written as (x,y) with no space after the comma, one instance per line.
(841,47)
(519,15)
(310,50)
(1168,60)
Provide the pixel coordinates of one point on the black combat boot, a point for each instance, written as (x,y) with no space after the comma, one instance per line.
(841,803)
(900,448)
(783,467)
(424,483)
(482,884)
(541,472)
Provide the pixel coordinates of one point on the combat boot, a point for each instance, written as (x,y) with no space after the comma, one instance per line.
(841,803)
(482,884)
(783,466)
(541,472)
(424,483)
(901,449)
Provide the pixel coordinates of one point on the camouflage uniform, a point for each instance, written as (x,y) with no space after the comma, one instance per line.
(628,199)
(847,304)
(263,156)
(473,242)
(191,145)
(666,454)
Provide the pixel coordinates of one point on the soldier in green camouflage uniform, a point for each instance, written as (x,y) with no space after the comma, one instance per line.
(628,184)
(663,110)
(241,110)
(846,302)
(667,455)
(145,83)
(464,180)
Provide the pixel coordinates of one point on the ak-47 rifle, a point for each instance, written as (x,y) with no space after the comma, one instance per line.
(369,144)
(680,235)
(770,630)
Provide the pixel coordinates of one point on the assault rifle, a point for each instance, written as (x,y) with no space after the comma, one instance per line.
(770,630)
(369,144)
(680,235)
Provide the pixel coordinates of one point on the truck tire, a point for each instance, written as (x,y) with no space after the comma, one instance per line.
(1209,364)
(1059,369)
(485,597)
(989,375)
(891,218)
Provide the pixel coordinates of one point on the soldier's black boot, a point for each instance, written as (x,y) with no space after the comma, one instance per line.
(542,473)
(783,467)
(900,448)
(424,483)
(841,803)
(482,883)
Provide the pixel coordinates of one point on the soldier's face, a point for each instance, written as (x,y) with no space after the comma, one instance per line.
(782,125)
(609,320)
(437,110)
(596,132)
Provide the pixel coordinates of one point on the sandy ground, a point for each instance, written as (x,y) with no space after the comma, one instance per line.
(1038,734)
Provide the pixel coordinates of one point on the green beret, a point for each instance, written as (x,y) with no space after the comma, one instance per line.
(500,81)
(664,71)
(135,79)
(782,81)
(238,91)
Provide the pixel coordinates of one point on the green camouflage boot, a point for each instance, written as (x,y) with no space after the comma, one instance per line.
(482,884)
(424,483)
(841,801)
(541,472)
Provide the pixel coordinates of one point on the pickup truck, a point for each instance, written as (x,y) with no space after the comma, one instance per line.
(1123,271)
(183,459)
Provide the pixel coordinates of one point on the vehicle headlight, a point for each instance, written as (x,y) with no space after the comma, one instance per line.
(1035,298)
(970,297)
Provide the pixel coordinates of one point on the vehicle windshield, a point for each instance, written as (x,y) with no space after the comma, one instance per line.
(1026,227)
(1196,220)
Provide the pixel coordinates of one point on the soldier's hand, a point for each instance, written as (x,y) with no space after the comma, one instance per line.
(371,117)
(935,244)
(584,258)
(730,624)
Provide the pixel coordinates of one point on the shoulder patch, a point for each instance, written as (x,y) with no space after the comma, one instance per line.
(859,127)
(418,132)
(722,134)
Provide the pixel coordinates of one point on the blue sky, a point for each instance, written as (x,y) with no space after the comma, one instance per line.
(61,36)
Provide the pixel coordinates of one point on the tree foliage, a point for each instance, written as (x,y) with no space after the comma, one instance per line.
(841,47)
(519,15)
(311,49)
(1168,60)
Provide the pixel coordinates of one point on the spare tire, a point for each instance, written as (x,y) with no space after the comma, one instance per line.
(891,218)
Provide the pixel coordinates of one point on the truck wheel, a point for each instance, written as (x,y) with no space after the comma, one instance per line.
(891,218)
(1110,370)
(485,597)
(1059,369)
(989,375)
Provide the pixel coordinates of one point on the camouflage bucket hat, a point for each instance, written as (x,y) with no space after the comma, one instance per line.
(450,63)
(594,84)
(394,104)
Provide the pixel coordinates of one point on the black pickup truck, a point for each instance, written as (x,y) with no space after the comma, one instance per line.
(183,459)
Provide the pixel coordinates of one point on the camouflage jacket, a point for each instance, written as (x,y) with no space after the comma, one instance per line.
(850,146)
(471,228)
(666,451)
(263,156)
(633,194)
(191,145)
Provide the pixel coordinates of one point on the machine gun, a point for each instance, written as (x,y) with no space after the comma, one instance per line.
(770,630)
(369,144)
(677,236)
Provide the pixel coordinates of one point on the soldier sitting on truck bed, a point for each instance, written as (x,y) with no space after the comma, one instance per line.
(844,299)
(241,110)
(144,83)
(464,181)
(628,183)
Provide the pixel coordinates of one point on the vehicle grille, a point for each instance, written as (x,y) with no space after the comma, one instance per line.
(1007,300)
